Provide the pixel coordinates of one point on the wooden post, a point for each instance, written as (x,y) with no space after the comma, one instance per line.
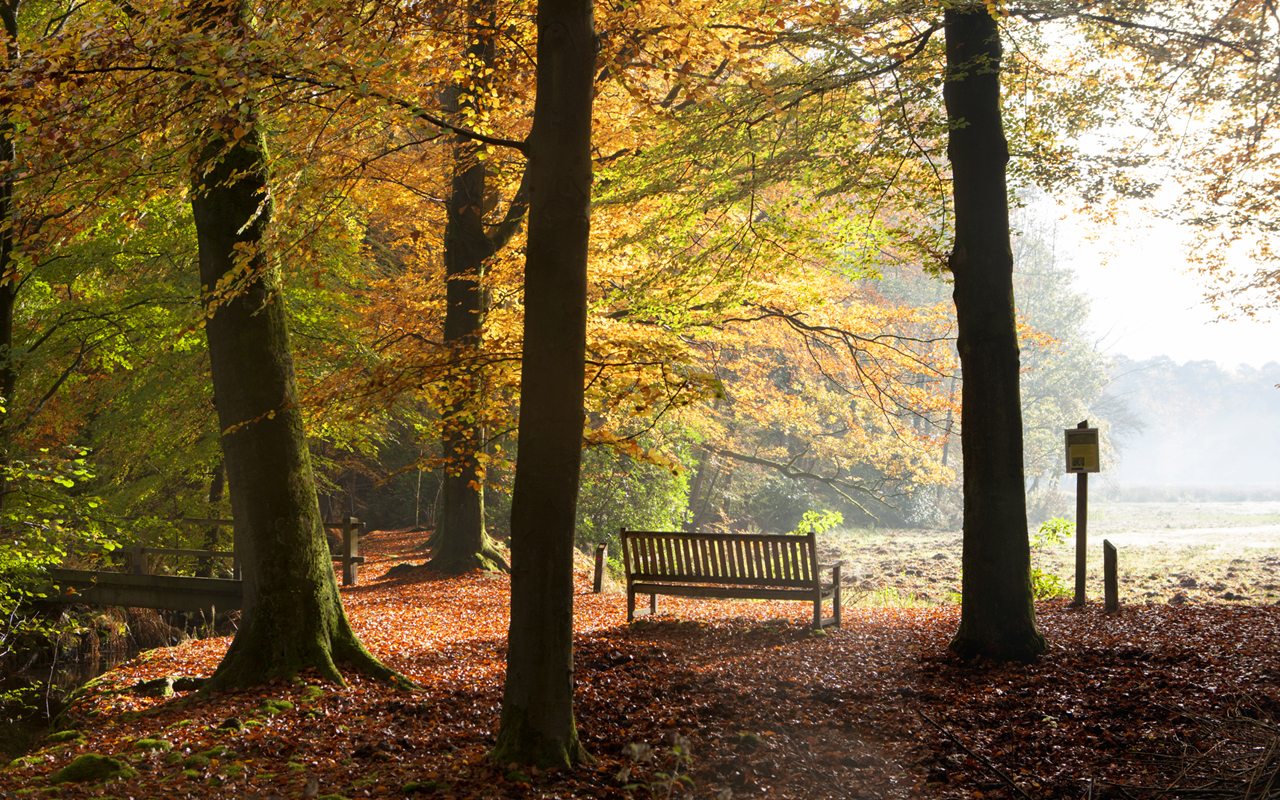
(1082,527)
(1110,580)
(601,549)
(1082,535)
(350,550)
(139,566)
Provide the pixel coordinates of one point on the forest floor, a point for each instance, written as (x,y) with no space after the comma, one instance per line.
(1120,706)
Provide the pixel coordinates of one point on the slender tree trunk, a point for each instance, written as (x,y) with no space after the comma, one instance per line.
(537,725)
(997,616)
(701,491)
(293,617)
(8,225)
(213,534)
(460,541)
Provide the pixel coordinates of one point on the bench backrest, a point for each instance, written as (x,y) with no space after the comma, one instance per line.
(765,560)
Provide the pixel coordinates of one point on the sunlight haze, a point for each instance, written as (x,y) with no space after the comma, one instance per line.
(1146,303)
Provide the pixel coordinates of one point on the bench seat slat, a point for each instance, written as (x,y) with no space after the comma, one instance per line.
(659,578)
(738,592)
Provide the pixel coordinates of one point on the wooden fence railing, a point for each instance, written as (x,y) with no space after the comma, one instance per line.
(138,589)
(350,557)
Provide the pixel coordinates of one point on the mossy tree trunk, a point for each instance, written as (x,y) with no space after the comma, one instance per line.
(537,725)
(460,541)
(997,617)
(293,617)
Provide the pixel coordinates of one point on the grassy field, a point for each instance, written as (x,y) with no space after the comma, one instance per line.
(1168,552)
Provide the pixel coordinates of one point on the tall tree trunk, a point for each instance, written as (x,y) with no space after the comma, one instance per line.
(460,541)
(8,232)
(537,725)
(293,617)
(997,617)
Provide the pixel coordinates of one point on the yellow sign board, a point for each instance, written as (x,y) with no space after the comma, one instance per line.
(1082,449)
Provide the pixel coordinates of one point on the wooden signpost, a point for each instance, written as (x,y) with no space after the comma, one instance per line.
(1082,458)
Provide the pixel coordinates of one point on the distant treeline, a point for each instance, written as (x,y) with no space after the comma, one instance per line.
(1199,425)
(1185,494)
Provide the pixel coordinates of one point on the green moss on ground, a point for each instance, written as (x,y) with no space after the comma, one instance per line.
(273,706)
(93,767)
(310,694)
(413,787)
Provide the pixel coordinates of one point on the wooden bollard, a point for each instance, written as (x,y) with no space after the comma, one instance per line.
(350,551)
(1111,584)
(600,553)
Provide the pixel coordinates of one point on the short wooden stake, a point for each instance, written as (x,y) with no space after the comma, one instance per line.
(1111,582)
(350,550)
(600,553)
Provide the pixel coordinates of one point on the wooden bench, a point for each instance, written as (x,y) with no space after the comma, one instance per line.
(732,565)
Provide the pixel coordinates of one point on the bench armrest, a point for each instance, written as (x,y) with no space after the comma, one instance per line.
(835,576)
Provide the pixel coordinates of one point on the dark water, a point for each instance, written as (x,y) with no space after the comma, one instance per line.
(49,686)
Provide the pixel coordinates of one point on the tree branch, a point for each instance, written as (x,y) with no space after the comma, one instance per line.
(789,470)
(514,218)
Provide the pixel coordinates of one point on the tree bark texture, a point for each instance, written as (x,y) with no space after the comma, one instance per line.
(997,607)
(8,232)
(460,542)
(537,724)
(293,617)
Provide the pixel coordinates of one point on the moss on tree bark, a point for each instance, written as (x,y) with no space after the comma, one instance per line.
(293,618)
(461,542)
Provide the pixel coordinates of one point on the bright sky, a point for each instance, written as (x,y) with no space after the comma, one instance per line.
(1146,304)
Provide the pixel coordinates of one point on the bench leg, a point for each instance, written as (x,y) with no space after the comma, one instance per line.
(834,620)
(631,606)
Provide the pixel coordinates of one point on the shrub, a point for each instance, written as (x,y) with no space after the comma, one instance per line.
(1051,532)
(620,492)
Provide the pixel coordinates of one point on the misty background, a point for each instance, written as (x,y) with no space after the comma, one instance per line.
(1199,384)
(1203,425)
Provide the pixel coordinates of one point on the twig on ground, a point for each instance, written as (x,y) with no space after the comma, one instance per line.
(977,756)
